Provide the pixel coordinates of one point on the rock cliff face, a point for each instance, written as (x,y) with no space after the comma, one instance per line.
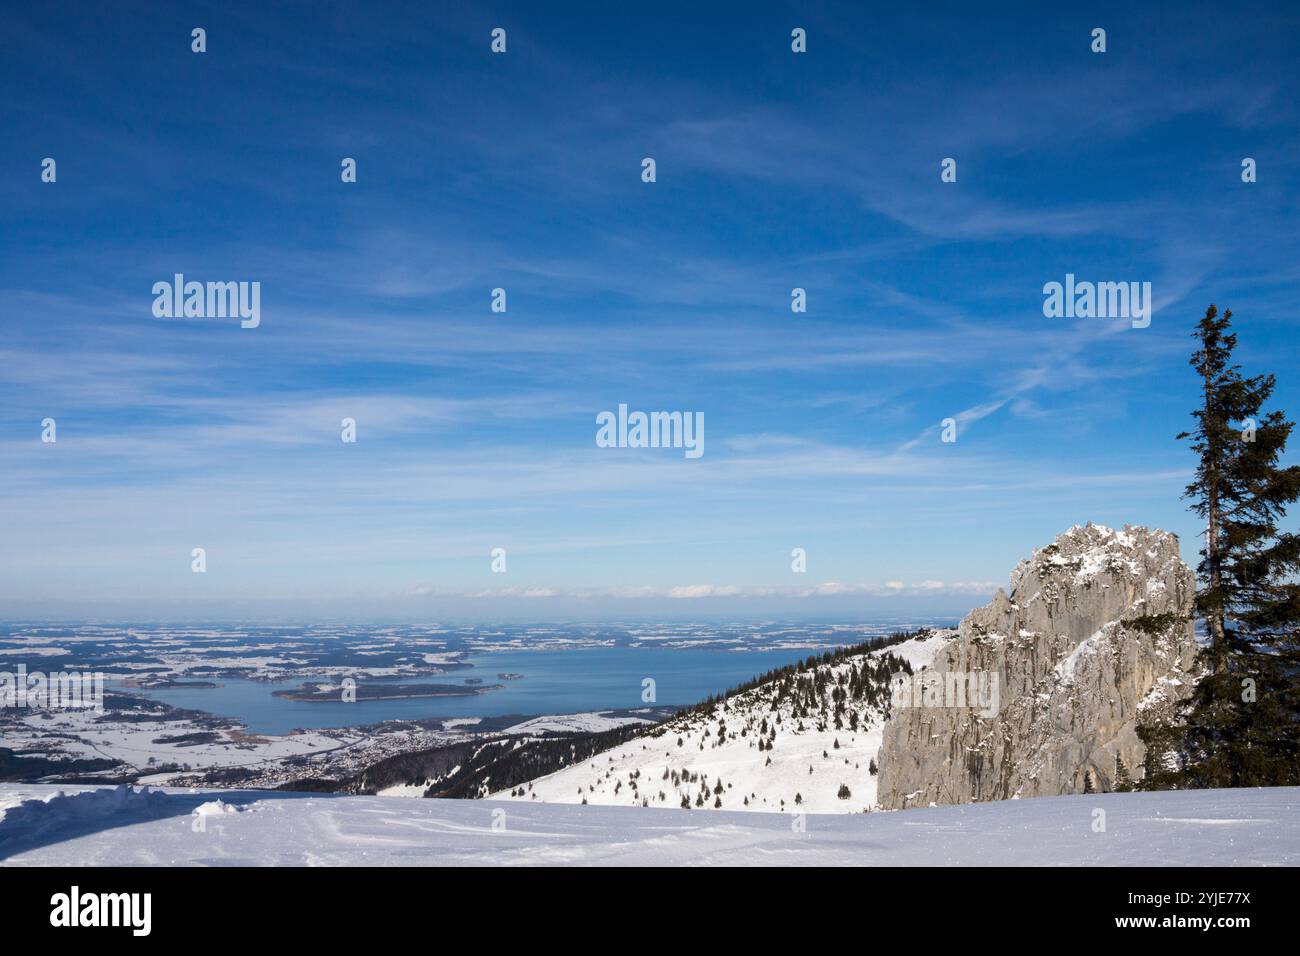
(1095,635)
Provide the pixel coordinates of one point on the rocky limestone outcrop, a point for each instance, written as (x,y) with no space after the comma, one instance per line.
(1095,636)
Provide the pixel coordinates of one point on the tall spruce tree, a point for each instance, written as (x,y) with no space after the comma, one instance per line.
(1122,782)
(1241,727)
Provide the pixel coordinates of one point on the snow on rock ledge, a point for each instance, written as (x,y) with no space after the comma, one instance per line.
(1096,632)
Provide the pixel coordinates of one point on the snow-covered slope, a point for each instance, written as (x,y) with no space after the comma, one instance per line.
(130,827)
(751,753)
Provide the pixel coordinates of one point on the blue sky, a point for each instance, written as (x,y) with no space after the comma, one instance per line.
(476,430)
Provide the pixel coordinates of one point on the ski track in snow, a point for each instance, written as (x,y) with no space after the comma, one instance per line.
(51,825)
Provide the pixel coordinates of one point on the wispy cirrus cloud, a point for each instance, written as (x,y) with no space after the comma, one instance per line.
(476,429)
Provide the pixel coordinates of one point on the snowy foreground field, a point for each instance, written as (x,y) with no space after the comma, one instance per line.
(44,825)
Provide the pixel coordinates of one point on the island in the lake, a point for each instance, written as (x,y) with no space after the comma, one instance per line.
(317,692)
(168,683)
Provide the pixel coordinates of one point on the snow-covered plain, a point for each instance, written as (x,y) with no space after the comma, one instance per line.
(44,825)
(588,723)
(85,734)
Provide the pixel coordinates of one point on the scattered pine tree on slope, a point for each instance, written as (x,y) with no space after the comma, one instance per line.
(1241,727)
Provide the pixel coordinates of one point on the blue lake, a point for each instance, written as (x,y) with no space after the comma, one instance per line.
(554,682)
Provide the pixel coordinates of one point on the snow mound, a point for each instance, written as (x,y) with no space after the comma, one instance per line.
(216,808)
(54,810)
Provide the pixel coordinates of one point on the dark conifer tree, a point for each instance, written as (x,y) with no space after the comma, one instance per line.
(1241,726)
(1122,782)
